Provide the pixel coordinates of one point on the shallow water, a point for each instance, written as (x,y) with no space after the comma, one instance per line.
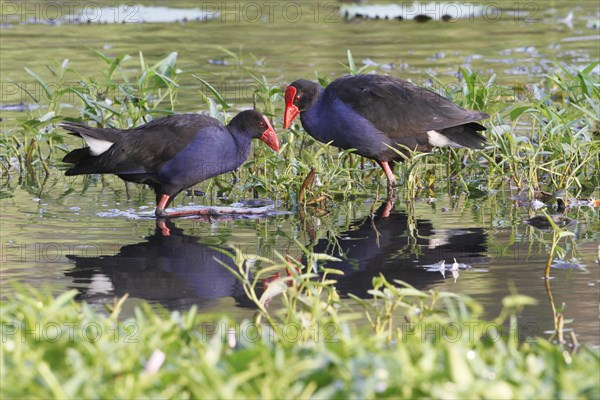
(78,233)
(283,46)
(88,241)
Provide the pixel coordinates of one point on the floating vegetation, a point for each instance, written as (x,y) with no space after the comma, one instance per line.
(94,13)
(593,24)
(135,13)
(442,267)
(567,264)
(421,12)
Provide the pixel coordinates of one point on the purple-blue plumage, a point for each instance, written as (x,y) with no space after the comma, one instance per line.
(377,115)
(331,120)
(171,153)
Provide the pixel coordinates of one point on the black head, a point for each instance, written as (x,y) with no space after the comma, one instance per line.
(305,95)
(253,123)
(299,96)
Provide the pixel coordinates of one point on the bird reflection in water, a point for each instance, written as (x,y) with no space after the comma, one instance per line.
(175,270)
(394,244)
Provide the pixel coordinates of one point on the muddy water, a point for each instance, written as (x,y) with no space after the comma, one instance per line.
(91,234)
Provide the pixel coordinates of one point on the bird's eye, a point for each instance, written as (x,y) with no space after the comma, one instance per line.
(298,97)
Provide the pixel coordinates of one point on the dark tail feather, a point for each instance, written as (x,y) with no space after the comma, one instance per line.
(77,155)
(75,128)
(84,166)
(466,135)
(86,163)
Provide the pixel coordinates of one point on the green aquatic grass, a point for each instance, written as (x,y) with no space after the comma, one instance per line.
(303,343)
(113,100)
(560,147)
(537,141)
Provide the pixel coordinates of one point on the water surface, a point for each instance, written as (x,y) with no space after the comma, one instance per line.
(63,233)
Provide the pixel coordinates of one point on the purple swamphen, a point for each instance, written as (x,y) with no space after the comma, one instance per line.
(375,113)
(171,153)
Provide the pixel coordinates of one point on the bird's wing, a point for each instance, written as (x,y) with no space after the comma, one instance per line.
(398,107)
(146,148)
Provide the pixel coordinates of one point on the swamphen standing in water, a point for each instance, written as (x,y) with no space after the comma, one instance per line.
(375,113)
(170,153)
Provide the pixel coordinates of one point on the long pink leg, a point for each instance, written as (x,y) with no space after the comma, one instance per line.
(391,179)
(162,204)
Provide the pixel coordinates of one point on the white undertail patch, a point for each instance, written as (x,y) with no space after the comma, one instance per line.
(97,146)
(100,284)
(438,140)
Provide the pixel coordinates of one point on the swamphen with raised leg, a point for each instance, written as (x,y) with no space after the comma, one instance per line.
(375,113)
(170,153)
